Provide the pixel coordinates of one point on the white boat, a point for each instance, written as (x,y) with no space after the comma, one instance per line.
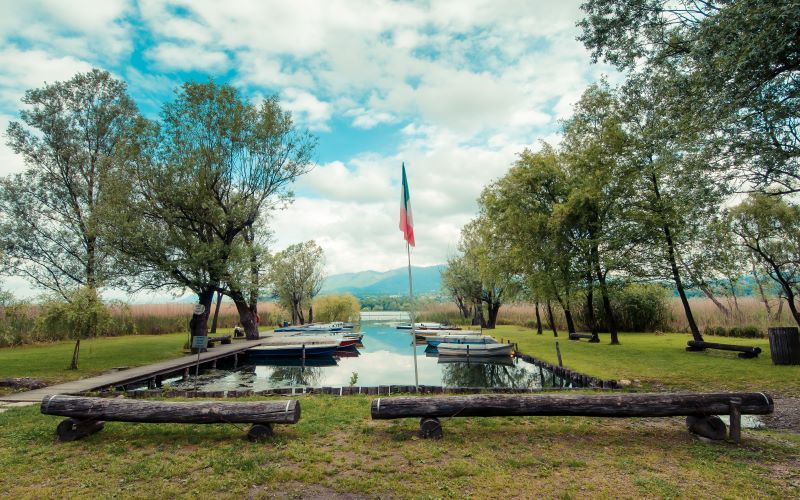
(421,334)
(460,339)
(425,326)
(449,349)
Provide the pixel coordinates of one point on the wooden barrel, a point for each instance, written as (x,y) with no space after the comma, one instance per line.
(784,344)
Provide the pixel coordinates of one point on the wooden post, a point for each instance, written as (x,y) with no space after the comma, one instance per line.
(430,428)
(558,352)
(186,373)
(736,420)
(784,345)
(214,364)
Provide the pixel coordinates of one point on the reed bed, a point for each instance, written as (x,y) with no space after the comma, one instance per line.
(746,312)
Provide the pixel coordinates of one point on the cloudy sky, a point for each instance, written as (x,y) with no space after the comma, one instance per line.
(453,89)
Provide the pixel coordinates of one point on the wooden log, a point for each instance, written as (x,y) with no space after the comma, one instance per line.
(201,412)
(71,429)
(696,344)
(709,427)
(430,428)
(784,345)
(579,336)
(588,405)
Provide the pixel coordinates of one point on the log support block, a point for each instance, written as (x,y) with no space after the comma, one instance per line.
(736,420)
(709,427)
(430,428)
(71,429)
(259,432)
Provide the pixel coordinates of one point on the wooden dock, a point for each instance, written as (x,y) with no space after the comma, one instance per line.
(138,374)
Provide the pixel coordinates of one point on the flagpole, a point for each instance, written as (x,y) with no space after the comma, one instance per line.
(411,314)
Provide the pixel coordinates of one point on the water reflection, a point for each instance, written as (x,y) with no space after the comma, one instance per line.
(384,359)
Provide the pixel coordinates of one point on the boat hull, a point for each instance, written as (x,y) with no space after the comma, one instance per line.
(294,350)
(447,349)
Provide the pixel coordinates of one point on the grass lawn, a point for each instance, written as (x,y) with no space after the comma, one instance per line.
(50,362)
(660,361)
(337,449)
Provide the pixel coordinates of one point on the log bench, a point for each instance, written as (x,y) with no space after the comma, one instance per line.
(587,336)
(700,409)
(222,339)
(744,351)
(88,415)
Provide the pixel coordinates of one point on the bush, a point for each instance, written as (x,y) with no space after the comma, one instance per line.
(719,331)
(340,307)
(746,332)
(84,315)
(638,307)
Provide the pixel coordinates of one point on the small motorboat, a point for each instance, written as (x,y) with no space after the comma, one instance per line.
(460,339)
(423,334)
(295,350)
(469,350)
(427,326)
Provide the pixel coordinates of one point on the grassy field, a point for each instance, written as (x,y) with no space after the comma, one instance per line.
(660,361)
(337,450)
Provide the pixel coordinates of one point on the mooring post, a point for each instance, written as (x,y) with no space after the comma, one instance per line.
(214,364)
(236,360)
(558,352)
(186,373)
(736,420)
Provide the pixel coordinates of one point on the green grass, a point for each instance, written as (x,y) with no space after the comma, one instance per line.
(337,449)
(50,362)
(661,361)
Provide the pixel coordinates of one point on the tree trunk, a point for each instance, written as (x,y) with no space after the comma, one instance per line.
(551,319)
(609,313)
(216,313)
(710,295)
(479,318)
(75,352)
(761,289)
(310,313)
(198,325)
(673,263)
(538,320)
(590,308)
(246,317)
(494,308)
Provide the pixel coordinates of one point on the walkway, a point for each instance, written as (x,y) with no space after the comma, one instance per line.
(138,374)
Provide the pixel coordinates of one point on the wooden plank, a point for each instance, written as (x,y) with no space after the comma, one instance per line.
(589,405)
(201,412)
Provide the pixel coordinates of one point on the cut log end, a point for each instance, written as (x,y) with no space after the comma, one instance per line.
(709,427)
(71,429)
(259,432)
(430,428)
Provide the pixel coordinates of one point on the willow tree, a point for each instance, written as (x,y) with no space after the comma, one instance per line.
(195,182)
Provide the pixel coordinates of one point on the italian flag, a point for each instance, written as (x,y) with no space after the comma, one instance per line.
(406,219)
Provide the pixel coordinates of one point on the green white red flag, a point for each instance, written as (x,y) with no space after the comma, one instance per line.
(406,219)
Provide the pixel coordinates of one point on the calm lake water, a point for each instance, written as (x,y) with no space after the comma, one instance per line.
(386,358)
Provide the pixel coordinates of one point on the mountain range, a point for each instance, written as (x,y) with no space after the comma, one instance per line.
(392,282)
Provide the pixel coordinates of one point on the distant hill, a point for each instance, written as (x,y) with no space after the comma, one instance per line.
(393,282)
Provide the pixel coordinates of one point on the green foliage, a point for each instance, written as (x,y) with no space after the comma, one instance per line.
(339,307)
(83,315)
(296,275)
(640,307)
(745,332)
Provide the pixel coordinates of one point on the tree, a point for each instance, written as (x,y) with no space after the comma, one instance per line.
(70,139)
(601,190)
(294,274)
(338,307)
(769,227)
(461,282)
(194,183)
(738,62)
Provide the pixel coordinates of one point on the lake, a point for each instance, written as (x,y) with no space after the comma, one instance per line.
(386,358)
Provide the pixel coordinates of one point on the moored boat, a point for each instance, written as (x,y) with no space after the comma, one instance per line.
(478,360)
(450,349)
(460,339)
(295,350)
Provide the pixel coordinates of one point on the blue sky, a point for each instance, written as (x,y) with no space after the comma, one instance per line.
(454,89)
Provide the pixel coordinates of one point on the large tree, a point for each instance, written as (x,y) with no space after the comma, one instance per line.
(296,275)
(70,137)
(738,61)
(195,182)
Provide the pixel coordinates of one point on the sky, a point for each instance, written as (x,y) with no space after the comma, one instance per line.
(455,89)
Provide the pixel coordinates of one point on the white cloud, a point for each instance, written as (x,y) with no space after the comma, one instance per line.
(188,57)
(26,69)
(307,109)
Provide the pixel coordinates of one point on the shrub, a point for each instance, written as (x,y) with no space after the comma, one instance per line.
(747,332)
(638,307)
(719,331)
(339,307)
